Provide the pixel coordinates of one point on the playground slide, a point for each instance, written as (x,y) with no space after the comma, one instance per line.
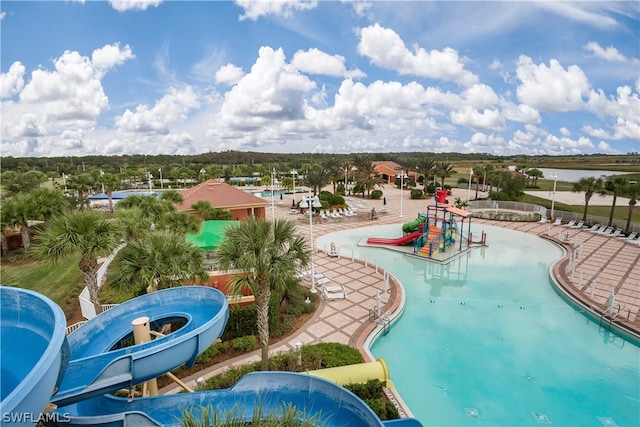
(32,348)
(413,225)
(269,390)
(100,364)
(395,241)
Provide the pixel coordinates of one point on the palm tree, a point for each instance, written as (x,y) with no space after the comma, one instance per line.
(632,191)
(334,171)
(535,174)
(88,233)
(134,223)
(614,186)
(269,253)
(82,183)
(366,171)
(444,170)
(203,208)
(17,211)
(111,183)
(426,167)
(478,171)
(589,185)
(179,222)
(157,261)
(172,196)
(316,179)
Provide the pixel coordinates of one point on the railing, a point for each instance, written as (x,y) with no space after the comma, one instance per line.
(609,315)
(75,326)
(381,319)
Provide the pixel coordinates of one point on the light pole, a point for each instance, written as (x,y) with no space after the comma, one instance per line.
(401,186)
(313,273)
(150,181)
(553,197)
(202,172)
(273,209)
(470,179)
(161,184)
(293,174)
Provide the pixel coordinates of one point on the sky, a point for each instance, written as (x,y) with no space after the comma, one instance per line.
(188,77)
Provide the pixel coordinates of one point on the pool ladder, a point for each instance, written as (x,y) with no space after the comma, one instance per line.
(381,319)
(609,315)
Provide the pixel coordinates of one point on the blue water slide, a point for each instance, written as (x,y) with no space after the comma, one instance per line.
(269,391)
(33,349)
(102,363)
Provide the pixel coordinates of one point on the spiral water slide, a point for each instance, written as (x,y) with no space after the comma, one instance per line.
(96,359)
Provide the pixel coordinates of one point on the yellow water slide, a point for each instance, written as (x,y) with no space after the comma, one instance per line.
(357,374)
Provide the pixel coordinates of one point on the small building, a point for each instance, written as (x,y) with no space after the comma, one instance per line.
(389,170)
(223,196)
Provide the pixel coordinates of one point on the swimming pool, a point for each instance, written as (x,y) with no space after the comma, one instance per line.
(485,340)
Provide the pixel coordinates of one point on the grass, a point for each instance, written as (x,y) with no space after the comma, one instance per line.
(61,282)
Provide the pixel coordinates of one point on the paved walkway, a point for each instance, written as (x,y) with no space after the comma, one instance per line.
(612,263)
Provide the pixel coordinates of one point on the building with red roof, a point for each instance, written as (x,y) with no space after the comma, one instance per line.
(223,196)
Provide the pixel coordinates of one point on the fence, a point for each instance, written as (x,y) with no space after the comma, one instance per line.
(86,305)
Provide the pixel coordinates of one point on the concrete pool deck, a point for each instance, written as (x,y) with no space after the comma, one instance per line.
(613,263)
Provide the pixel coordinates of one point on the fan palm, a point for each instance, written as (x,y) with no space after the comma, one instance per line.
(589,185)
(88,233)
(615,186)
(269,253)
(632,191)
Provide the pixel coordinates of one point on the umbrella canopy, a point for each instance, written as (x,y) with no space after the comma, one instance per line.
(211,234)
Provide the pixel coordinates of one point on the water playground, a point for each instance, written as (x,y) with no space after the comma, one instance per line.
(439,234)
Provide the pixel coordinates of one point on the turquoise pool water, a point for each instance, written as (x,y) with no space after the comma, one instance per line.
(486,341)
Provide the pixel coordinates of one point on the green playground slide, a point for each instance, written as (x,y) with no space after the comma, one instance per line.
(413,225)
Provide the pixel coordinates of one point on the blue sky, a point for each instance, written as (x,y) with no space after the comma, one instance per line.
(154,77)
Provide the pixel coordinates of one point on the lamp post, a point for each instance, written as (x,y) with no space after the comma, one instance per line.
(401,187)
(202,172)
(150,181)
(313,273)
(553,197)
(470,179)
(273,209)
(293,174)
(161,184)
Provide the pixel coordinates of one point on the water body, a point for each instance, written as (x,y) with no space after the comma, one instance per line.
(574,175)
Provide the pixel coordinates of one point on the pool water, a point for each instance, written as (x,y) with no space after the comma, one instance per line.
(486,341)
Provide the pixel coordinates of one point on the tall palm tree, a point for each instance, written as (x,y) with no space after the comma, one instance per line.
(203,208)
(157,261)
(316,179)
(88,233)
(426,167)
(172,196)
(82,183)
(334,171)
(179,222)
(632,191)
(445,170)
(134,223)
(269,253)
(615,186)
(47,202)
(111,183)
(589,185)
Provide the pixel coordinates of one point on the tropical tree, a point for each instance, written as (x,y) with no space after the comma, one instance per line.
(14,182)
(133,222)
(111,183)
(269,253)
(632,191)
(82,183)
(172,196)
(366,172)
(426,168)
(157,261)
(151,206)
(17,211)
(444,170)
(179,222)
(534,174)
(334,171)
(478,171)
(203,208)
(615,186)
(589,185)
(316,179)
(88,233)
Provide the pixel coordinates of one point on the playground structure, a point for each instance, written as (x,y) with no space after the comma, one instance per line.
(439,231)
(68,380)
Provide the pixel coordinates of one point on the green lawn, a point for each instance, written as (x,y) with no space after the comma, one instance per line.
(61,282)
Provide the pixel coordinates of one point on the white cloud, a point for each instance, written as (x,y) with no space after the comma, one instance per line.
(12,81)
(3,15)
(495,65)
(315,61)
(124,5)
(480,96)
(386,49)
(624,109)
(171,108)
(229,74)
(474,119)
(610,53)
(521,113)
(587,12)
(603,147)
(254,9)
(552,88)
(564,131)
(482,143)
(109,56)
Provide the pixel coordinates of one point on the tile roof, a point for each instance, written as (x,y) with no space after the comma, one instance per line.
(220,195)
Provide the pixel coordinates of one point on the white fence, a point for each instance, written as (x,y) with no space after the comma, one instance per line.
(86,305)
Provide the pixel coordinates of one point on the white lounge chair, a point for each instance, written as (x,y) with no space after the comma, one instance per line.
(616,233)
(333,288)
(558,221)
(606,231)
(323,215)
(629,237)
(595,228)
(571,223)
(578,225)
(543,220)
(332,296)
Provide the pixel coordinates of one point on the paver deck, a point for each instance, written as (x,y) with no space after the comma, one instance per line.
(612,263)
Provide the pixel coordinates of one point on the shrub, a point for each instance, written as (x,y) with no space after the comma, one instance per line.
(416,194)
(231,376)
(242,321)
(391,411)
(498,195)
(244,344)
(210,353)
(376,194)
(340,188)
(463,180)
(372,389)
(330,355)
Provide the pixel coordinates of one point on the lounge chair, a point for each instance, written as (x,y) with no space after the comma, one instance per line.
(594,228)
(616,233)
(571,223)
(629,237)
(332,296)
(606,231)
(543,220)
(322,281)
(323,215)
(578,225)
(332,288)
(558,221)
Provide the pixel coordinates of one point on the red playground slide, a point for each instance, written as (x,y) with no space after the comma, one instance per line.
(397,241)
